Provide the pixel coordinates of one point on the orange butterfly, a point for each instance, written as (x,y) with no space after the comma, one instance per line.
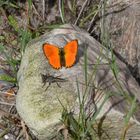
(59,57)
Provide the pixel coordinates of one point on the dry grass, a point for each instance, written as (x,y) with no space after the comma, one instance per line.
(22,21)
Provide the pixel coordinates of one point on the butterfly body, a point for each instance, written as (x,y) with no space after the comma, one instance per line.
(61,57)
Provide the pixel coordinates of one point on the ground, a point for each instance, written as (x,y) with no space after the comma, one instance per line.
(22,21)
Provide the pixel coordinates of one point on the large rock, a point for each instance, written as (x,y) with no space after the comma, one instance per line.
(41,109)
(123,21)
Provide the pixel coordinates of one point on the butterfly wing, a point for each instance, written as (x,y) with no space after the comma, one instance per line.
(52,54)
(70,51)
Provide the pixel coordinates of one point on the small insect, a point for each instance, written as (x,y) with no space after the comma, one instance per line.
(61,57)
(51,79)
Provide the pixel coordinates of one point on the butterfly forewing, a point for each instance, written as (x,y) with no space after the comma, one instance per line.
(70,50)
(52,54)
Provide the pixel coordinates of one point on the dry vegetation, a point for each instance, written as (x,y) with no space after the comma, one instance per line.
(21,21)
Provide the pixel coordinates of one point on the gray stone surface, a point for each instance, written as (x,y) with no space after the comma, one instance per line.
(123,22)
(41,110)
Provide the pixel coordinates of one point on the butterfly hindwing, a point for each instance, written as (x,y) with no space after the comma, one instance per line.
(70,51)
(52,54)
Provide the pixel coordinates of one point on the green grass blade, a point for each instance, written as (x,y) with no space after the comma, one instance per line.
(113,65)
(62,11)
(13,22)
(85,65)
(74,7)
(131,111)
(12,62)
(53,26)
(30,4)
(13,5)
(92,121)
(24,39)
(107,96)
(8,78)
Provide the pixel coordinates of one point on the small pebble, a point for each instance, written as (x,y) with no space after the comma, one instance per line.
(6,137)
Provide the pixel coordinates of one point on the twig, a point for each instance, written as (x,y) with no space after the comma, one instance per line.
(4,113)
(4,132)
(3,13)
(60,10)
(4,103)
(36,11)
(91,23)
(19,135)
(43,9)
(84,5)
(24,129)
